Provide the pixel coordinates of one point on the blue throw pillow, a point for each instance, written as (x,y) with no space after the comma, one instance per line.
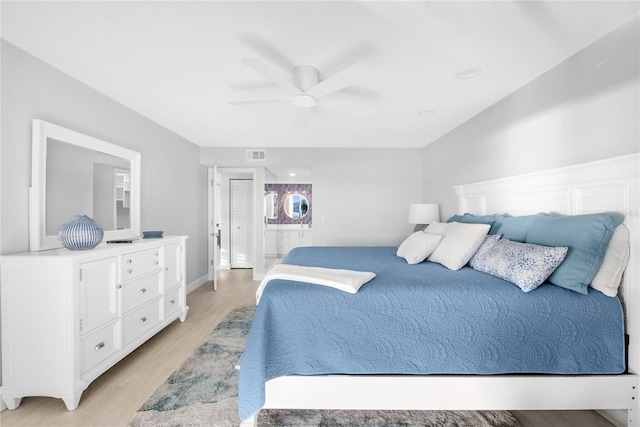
(513,228)
(586,236)
(476,219)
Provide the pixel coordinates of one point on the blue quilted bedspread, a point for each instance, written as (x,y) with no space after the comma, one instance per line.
(423,319)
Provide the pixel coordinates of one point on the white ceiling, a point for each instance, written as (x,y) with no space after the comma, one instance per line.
(177,63)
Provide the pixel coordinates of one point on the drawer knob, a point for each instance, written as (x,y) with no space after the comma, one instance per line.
(129,261)
(172,302)
(129,271)
(142,291)
(166,269)
(156,263)
(142,320)
(99,346)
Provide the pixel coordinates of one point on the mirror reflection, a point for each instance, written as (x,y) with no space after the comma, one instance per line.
(122,198)
(271,206)
(84,181)
(296,206)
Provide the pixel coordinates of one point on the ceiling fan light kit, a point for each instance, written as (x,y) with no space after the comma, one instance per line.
(304,101)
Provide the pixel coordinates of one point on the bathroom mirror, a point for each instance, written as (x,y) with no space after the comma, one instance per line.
(271,206)
(296,206)
(73,173)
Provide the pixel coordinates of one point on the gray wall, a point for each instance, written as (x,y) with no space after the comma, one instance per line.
(360,196)
(576,112)
(173,183)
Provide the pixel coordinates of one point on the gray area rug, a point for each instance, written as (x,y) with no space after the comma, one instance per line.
(203,392)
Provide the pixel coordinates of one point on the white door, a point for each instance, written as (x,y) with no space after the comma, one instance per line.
(214,229)
(241,221)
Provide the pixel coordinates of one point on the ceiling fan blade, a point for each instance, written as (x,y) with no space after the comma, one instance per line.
(258,101)
(344,78)
(264,49)
(266,71)
(346,106)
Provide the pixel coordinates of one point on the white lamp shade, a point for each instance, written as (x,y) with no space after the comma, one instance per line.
(424,213)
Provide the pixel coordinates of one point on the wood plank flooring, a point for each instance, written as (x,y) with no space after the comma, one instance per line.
(113,398)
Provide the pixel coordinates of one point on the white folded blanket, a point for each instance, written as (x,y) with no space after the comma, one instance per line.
(345,280)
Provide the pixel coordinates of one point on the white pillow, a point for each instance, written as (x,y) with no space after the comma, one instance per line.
(418,246)
(608,278)
(459,242)
(437,227)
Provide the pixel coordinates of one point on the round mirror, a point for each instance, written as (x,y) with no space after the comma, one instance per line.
(296,206)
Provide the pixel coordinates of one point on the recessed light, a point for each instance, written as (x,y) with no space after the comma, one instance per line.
(468,74)
(292,174)
(426,112)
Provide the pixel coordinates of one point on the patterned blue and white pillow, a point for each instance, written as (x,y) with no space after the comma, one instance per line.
(488,243)
(525,264)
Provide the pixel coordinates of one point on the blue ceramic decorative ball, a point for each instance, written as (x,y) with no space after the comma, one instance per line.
(80,233)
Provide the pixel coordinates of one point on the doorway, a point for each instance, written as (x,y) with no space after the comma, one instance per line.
(241,223)
(219,219)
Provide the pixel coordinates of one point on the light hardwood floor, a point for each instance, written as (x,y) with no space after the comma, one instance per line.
(114,397)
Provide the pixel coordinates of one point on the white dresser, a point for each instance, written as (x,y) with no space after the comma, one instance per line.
(68,316)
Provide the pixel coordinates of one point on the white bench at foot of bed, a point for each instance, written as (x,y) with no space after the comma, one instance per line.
(457,392)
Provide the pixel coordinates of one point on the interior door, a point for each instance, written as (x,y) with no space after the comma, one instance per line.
(214,227)
(241,221)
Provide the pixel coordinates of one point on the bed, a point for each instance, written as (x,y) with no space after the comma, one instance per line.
(298,353)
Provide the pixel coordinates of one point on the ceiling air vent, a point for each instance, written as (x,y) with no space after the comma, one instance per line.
(256,155)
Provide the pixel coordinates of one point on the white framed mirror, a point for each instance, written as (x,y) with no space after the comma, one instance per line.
(72,174)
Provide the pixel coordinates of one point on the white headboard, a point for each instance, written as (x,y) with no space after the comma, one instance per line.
(605,185)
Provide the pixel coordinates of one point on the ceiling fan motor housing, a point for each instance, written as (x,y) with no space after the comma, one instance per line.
(305,77)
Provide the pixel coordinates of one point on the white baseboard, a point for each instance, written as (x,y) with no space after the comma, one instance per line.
(197,283)
(2,405)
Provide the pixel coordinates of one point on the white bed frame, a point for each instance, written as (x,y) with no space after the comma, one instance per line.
(606,185)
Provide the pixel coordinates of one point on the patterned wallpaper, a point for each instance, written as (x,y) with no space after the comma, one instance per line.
(284,190)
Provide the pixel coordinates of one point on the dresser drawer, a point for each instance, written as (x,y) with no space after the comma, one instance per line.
(97,346)
(140,291)
(136,264)
(171,302)
(139,321)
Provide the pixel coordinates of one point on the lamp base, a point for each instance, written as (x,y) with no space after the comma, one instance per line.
(420,227)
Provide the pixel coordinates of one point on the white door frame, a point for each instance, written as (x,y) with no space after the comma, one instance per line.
(212,246)
(258,222)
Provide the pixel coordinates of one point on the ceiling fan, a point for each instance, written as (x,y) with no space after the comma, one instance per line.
(306,90)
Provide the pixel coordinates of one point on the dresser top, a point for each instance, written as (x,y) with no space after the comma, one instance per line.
(102,250)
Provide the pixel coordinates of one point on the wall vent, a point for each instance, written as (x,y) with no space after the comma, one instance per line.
(256,155)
